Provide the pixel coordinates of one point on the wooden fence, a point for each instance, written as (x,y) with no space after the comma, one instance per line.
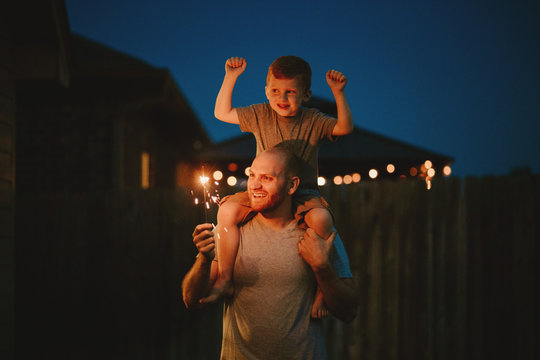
(447,273)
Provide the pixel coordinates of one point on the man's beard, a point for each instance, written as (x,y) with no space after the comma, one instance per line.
(273,201)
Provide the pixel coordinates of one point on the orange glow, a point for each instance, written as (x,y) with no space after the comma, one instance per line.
(428,164)
(321,181)
(232,167)
(246,171)
(338,180)
(390,168)
(447,170)
(373,173)
(356,177)
(413,171)
(347,179)
(431,172)
(428,184)
(218,175)
(145,170)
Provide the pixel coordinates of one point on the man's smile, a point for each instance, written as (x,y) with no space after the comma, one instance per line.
(258,195)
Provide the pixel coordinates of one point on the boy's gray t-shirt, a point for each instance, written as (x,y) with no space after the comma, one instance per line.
(302,134)
(269,315)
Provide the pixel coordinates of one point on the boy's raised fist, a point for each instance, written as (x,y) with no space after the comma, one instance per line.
(235,65)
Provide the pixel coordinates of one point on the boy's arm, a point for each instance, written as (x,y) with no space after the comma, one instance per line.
(223,109)
(337,82)
(201,276)
(339,295)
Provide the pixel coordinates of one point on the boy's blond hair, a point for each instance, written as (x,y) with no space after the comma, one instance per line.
(290,67)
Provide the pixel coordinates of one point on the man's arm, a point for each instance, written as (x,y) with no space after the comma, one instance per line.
(202,274)
(223,109)
(337,81)
(339,294)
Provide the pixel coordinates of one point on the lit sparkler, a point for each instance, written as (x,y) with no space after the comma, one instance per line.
(208,198)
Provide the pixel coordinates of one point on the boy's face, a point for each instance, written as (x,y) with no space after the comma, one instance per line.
(286,95)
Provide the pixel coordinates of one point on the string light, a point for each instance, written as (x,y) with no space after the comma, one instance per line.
(218,175)
(231,181)
(447,170)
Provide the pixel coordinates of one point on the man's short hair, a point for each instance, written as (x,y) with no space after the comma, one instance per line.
(291,161)
(289,67)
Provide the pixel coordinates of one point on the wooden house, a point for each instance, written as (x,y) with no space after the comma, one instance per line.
(121,123)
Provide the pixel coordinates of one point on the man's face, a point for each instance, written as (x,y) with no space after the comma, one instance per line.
(267,182)
(285,95)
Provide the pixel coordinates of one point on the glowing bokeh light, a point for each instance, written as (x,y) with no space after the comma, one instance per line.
(231,181)
(447,170)
(431,172)
(145,170)
(390,168)
(347,179)
(232,167)
(373,173)
(246,171)
(413,171)
(428,164)
(321,181)
(218,175)
(356,177)
(338,180)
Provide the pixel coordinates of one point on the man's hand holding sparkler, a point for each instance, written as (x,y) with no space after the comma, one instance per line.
(200,279)
(203,238)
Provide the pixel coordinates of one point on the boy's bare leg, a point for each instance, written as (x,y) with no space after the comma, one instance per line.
(320,220)
(319,309)
(227,239)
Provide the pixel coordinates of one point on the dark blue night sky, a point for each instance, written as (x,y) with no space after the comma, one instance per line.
(457,77)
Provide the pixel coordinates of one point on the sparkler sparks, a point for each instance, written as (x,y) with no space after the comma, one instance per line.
(209,196)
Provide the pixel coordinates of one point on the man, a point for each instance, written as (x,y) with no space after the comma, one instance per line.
(277,270)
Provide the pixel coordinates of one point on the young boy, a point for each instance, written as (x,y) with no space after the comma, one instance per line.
(281,121)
